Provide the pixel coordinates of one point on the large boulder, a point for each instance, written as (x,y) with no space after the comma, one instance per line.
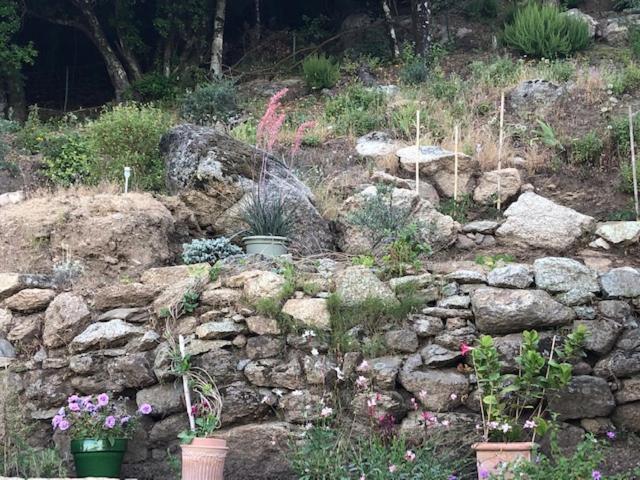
(535,97)
(487,189)
(65,317)
(534,221)
(616,29)
(558,274)
(500,310)
(113,234)
(214,175)
(356,284)
(584,397)
(619,232)
(621,282)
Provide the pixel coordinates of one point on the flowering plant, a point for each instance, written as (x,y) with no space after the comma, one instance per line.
(97,417)
(513,406)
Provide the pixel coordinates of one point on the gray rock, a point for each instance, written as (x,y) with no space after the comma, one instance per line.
(264,346)
(447,312)
(439,385)
(627,417)
(481,226)
(535,96)
(426,326)
(619,232)
(30,300)
(402,340)
(212,172)
(621,282)
(616,29)
(387,403)
(420,281)
(629,391)
(263,325)
(113,333)
(453,338)
(301,406)
(134,315)
(487,189)
(558,274)
(384,371)
(534,221)
(376,144)
(584,397)
(515,275)
(455,301)
(467,276)
(436,356)
(164,399)
(573,298)
(26,329)
(356,284)
(6,321)
(617,310)
(311,312)
(618,364)
(319,370)
(603,335)
(125,295)
(505,311)
(6,349)
(585,313)
(216,330)
(66,316)
(242,403)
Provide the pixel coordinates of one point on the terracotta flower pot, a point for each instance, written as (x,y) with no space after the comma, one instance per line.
(203,459)
(492,455)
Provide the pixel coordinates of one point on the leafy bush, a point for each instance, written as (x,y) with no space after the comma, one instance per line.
(68,158)
(542,30)
(443,87)
(320,72)
(153,86)
(208,250)
(129,135)
(415,71)
(8,126)
(357,110)
(210,103)
(586,150)
(501,72)
(626,176)
(33,133)
(625,80)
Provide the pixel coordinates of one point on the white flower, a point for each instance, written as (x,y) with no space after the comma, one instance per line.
(314,352)
(422,394)
(362,382)
(363,367)
(308,426)
(278,392)
(505,427)
(529,424)
(371,402)
(297,393)
(445,423)
(339,373)
(265,399)
(326,411)
(453,396)
(307,334)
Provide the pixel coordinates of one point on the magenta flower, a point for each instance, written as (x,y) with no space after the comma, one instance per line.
(103,400)
(56,421)
(64,425)
(73,399)
(110,421)
(124,420)
(596,475)
(74,407)
(145,409)
(484,473)
(611,435)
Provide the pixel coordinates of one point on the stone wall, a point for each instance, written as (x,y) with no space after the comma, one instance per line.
(56,343)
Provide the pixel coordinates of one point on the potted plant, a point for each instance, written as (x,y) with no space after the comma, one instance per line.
(513,406)
(269,223)
(203,455)
(99,430)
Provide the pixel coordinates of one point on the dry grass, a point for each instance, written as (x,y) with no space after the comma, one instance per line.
(78,190)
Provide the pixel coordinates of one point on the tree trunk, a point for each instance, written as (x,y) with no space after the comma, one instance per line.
(132,62)
(422,26)
(167,53)
(116,70)
(217,45)
(392,31)
(16,97)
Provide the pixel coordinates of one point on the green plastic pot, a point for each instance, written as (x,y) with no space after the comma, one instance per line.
(98,458)
(266,245)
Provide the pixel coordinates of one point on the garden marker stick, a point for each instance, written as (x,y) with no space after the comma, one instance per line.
(633,165)
(500,142)
(185,386)
(417,158)
(455,163)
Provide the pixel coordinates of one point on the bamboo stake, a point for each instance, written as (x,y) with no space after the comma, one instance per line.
(633,165)
(455,163)
(418,155)
(501,141)
(185,387)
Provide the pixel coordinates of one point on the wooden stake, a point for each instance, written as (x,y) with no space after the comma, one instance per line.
(455,163)
(185,387)
(501,141)
(418,149)
(633,165)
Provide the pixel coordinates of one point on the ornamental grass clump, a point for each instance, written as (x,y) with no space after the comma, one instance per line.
(97,418)
(543,31)
(513,406)
(320,72)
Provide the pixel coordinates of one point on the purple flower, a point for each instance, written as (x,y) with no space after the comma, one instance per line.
(64,425)
(89,407)
(452,477)
(596,475)
(145,409)
(110,421)
(103,399)
(73,399)
(74,407)
(62,412)
(611,435)
(56,421)
(124,420)
(484,473)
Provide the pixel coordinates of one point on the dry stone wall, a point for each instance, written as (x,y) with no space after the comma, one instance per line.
(55,343)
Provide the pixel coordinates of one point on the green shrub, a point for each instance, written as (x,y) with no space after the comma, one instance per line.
(129,135)
(208,250)
(626,176)
(586,151)
(620,136)
(543,31)
(8,126)
(634,41)
(152,87)
(414,71)
(481,8)
(68,158)
(501,72)
(210,103)
(246,132)
(443,87)
(320,72)
(557,70)
(458,210)
(357,110)
(626,80)
(33,133)
(405,250)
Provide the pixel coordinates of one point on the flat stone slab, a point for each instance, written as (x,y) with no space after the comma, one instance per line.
(431,159)
(619,232)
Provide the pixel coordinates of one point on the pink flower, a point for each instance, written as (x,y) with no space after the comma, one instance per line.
(145,409)
(611,435)
(409,456)
(110,421)
(89,407)
(271,122)
(73,399)
(392,468)
(64,425)
(299,134)
(74,407)
(464,349)
(414,404)
(363,367)
(103,400)
(530,424)
(56,421)
(445,423)
(362,382)
(484,473)
(326,412)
